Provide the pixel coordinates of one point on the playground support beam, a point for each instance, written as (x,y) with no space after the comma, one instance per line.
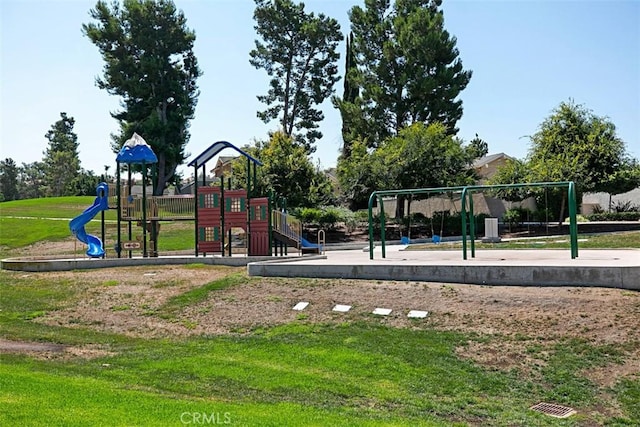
(377,195)
(469,190)
(119,207)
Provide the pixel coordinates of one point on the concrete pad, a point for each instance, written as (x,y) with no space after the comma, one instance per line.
(341,308)
(417,314)
(301,306)
(382,311)
(542,267)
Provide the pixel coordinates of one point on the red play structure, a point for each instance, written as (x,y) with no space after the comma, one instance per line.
(220,210)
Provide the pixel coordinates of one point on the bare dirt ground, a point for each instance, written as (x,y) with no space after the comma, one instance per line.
(510,319)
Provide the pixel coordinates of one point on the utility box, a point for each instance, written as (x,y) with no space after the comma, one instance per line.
(491,231)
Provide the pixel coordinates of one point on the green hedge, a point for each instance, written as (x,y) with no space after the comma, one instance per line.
(614,216)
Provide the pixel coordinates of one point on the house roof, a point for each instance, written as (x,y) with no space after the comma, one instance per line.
(217,147)
(478,163)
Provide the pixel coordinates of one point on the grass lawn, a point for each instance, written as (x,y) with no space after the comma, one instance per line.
(356,372)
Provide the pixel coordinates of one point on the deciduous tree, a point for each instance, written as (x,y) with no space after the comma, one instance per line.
(288,171)
(574,144)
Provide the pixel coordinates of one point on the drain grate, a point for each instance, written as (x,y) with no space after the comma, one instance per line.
(553,410)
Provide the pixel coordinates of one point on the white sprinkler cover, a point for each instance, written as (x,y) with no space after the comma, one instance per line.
(342,308)
(301,306)
(417,314)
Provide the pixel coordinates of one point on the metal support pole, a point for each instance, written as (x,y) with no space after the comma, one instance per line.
(463,214)
(129,225)
(222,208)
(196,198)
(472,226)
(573,224)
(382,227)
(371,199)
(119,208)
(144,210)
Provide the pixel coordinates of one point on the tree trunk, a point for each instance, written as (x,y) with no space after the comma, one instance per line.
(162,176)
(400,206)
(561,219)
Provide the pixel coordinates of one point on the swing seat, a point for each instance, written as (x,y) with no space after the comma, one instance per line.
(405,240)
(435,238)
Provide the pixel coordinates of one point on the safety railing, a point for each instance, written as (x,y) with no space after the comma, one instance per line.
(160,208)
(286,225)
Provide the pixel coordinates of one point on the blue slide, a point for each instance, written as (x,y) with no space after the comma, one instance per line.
(304,243)
(101,203)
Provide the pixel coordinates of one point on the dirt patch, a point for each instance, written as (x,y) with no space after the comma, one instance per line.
(42,350)
(508,319)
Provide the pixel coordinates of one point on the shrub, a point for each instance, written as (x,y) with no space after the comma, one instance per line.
(614,216)
(330,216)
(308,215)
(627,206)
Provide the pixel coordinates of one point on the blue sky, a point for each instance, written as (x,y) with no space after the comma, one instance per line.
(526,57)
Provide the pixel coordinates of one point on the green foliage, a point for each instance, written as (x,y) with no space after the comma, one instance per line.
(408,69)
(627,206)
(288,171)
(31,180)
(150,64)
(512,216)
(308,215)
(614,216)
(326,217)
(478,147)
(426,156)
(8,180)
(574,144)
(359,175)
(61,161)
(513,171)
(298,51)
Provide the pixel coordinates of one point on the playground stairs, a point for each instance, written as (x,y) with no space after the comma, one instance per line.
(288,230)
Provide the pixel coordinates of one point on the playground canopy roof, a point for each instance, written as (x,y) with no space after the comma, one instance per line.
(217,147)
(136,150)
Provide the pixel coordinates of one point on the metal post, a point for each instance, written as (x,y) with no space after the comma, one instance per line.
(472,226)
(144,210)
(248,233)
(573,224)
(222,208)
(196,206)
(371,199)
(463,213)
(119,207)
(130,226)
(102,218)
(382,227)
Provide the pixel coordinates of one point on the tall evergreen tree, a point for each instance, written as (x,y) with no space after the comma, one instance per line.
(31,180)
(409,68)
(8,180)
(61,160)
(350,106)
(298,50)
(148,51)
